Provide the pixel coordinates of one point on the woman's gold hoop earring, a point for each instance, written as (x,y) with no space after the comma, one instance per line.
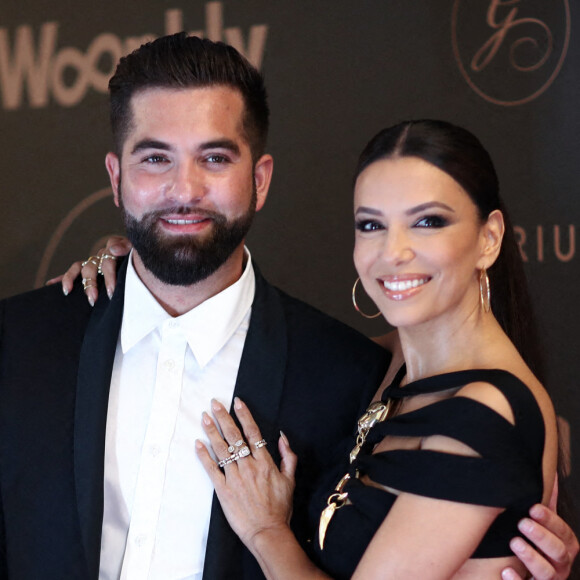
(356,305)
(484,291)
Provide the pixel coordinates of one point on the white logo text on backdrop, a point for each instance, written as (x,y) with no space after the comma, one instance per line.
(38,68)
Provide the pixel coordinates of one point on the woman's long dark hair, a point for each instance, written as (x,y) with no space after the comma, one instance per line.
(459,153)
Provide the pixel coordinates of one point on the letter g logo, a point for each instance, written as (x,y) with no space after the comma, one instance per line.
(510,51)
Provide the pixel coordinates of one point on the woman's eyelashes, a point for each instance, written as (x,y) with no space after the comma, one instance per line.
(428,221)
(431,221)
(368,225)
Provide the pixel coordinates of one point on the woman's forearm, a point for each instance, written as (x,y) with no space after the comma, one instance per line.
(281,557)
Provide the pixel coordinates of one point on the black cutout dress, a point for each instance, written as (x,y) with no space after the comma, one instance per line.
(507,474)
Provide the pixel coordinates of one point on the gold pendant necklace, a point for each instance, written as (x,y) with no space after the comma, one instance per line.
(377,412)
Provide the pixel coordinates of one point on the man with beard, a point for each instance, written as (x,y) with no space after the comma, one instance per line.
(100,408)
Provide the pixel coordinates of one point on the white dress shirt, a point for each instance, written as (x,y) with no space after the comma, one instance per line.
(157,495)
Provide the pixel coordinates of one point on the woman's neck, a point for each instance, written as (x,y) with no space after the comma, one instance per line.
(441,346)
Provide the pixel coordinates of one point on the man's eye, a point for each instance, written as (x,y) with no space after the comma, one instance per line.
(155,159)
(431,221)
(217,159)
(368,225)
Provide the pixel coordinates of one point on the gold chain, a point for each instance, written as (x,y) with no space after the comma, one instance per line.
(377,412)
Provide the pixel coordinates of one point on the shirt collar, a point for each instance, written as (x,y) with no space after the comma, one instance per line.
(207,327)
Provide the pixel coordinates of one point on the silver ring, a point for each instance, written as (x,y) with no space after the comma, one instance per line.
(243,452)
(239,443)
(261,443)
(226,461)
(231,449)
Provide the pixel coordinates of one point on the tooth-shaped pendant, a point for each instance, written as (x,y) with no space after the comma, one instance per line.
(325,518)
(335,501)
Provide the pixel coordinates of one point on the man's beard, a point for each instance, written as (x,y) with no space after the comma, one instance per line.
(184,260)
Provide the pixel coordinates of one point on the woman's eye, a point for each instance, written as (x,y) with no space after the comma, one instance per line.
(368,226)
(431,221)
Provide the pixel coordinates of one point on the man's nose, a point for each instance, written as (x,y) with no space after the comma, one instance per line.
(188,184)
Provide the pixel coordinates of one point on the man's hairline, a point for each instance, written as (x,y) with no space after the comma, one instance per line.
(118,149)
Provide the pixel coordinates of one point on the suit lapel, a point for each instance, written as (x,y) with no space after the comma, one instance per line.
(93,382)
(260,383)
(260,380)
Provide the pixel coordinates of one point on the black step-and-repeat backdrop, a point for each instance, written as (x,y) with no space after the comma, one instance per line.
(337,71)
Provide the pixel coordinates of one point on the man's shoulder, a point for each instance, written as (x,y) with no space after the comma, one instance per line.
(326,331)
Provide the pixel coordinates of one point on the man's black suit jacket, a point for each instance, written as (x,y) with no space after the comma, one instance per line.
(301,372)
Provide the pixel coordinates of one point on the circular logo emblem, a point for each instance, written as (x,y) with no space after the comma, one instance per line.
(510,51)
(85,228)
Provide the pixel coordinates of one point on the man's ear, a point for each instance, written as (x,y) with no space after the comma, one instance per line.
(491,237)
(263,176)
(113,165)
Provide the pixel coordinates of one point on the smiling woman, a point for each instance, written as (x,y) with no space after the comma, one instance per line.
(458,164)
(455,451)
(419,237)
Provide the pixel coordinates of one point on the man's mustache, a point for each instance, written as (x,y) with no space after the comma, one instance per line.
(184,210)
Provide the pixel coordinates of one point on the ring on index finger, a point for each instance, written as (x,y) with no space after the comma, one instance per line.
(101,260)
(238,443)
(91,260)
(261,443)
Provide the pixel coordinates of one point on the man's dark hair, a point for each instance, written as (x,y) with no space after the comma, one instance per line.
(179,62)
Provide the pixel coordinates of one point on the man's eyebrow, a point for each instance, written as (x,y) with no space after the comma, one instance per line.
(429,205)
(227,144)
(149,144)
(221,144)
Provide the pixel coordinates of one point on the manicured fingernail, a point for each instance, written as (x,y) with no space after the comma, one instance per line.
(518,545)
(110,293)
(538,511)
(526,525)
(91,301)
(284,438)
(215,405)
(237,403)
(205,418)
(507,575)
(65,291)
(198,444)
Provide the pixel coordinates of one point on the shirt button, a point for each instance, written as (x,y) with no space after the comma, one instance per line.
(173,324)
(140,540)
(169,364)
(155,450)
